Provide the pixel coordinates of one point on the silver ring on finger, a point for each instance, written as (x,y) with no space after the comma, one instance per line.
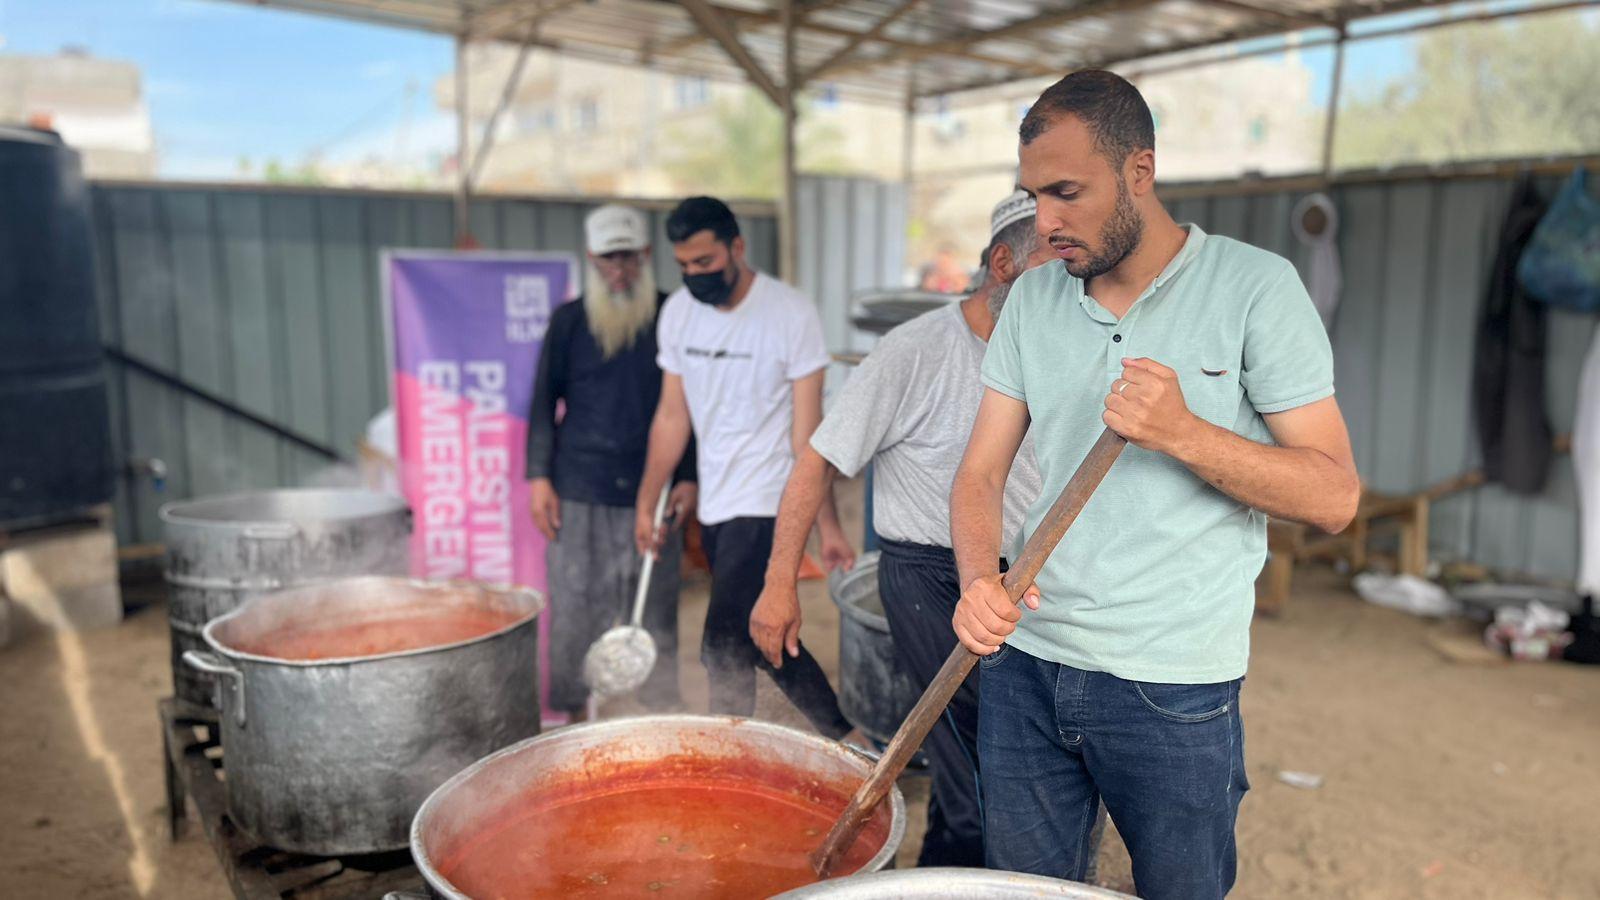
(1121,386)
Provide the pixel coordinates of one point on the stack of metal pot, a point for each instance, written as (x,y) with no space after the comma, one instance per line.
(223,550)
(332,753)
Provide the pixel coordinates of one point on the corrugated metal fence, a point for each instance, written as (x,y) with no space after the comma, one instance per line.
(268,298)
(851,238)
(1415,257)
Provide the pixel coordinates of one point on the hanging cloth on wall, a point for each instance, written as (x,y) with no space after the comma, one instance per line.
(1508,366)
(1315,223)
(1586,466)
(1561,266)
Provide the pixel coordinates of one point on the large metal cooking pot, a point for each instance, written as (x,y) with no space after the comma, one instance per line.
(333,754)
(223,550)
(875,692)
(607,757)
(948,884)
(877,311)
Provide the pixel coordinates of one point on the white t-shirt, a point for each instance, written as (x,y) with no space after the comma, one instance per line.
(737,367)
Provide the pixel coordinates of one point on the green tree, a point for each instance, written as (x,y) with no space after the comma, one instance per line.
(307,173)
(1516,88)
(745,159)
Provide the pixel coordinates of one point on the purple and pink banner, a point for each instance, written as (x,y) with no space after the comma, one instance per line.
(466,329)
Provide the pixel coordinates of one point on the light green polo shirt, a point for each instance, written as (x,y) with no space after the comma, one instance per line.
(1155,580)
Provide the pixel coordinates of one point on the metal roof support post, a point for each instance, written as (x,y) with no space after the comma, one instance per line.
(1261,11)
(788,255)
(908,136)
(513,16)
(856,43)
(908,172)
(713,22)
(507,93)
(1333,106)
(463,144)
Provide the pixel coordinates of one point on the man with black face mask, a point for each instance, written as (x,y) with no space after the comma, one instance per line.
(742,359)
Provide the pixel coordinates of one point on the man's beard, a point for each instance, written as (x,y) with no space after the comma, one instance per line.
(997,298)
(1119,237)
(615,320)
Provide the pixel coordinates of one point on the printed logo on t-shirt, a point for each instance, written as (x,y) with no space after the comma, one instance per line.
(717,354)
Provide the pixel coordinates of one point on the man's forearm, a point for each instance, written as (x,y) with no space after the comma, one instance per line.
(1296,483)
(668,438)
(823,512)
(827,510)
(975,523)
(810,488)
(539,458)
(807,416)
(541,446)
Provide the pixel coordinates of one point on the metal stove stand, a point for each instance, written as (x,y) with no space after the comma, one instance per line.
(194,769)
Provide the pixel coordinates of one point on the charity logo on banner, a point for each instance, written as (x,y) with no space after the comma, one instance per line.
(466,330)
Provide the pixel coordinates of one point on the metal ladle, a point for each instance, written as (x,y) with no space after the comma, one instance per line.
(620,661)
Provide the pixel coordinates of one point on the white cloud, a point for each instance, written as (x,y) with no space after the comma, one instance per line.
(379,70)
(428,135)
(170,88)
(191,9)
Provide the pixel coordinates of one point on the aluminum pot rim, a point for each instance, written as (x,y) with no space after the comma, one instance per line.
(865,562)
(435,880)
(890,883)
(498,587)
(173,513)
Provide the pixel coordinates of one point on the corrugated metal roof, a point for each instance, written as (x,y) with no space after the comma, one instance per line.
(870,49)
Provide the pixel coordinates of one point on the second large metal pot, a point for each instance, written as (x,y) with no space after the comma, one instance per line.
(949,884)
(223,550)
(875,692)
(333,755)
(635,757)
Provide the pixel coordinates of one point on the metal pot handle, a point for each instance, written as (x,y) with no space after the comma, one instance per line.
(210,663)
(406,895)
(871,756)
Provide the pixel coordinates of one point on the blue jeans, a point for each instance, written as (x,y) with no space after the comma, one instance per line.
(1166,759)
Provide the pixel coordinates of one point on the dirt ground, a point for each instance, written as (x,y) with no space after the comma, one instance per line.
(1441,779)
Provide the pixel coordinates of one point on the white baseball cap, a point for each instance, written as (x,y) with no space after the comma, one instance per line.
(1012,209)
(616,227)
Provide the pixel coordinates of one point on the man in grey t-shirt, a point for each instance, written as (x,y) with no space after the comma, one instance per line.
(909,410)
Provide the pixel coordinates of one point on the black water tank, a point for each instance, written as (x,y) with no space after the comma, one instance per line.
(55,449)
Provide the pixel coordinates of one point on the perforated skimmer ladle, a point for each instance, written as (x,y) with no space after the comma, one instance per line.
(620,661)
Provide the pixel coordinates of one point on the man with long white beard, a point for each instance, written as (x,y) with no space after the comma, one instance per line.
(599,359)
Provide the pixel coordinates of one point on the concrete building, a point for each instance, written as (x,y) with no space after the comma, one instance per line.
(575,126)
(1250,116)
(580,127)
(97,105)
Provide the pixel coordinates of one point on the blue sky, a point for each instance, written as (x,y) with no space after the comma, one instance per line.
(225,80)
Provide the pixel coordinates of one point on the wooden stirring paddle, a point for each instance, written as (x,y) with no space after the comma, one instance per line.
(954,671)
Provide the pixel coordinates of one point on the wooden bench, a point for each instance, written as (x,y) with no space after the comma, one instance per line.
(1289,543)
